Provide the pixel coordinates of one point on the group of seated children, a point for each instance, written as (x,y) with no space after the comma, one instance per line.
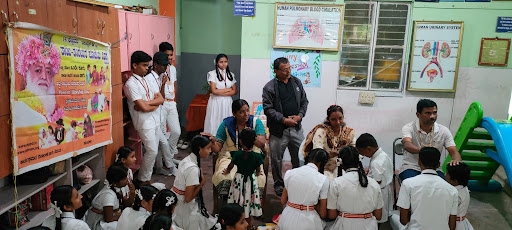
(354,200)
(357,199)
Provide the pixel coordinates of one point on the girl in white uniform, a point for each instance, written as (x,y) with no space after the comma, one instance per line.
(105,212)
(354,199)
(232,217)
(165,203)
(305,194)
(222,87)
(65,199)
(458,176)
(126,157)
(134,217)
(190,212)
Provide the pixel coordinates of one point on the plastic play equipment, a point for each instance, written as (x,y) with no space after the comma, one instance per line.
(484,144)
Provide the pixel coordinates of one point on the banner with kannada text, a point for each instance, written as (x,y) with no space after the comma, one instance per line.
(60,96)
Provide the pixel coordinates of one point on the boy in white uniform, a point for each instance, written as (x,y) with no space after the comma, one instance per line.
(381,169)
(158,83)
(432,201)
(169,112)
(142,102)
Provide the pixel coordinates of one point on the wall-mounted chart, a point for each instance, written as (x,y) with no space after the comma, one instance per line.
(494,51)
(305,26)
(435,56)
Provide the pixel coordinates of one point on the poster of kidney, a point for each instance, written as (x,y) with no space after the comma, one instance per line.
(435,54)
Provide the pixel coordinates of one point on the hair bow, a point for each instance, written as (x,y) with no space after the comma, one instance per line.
(58,212)
(170,201)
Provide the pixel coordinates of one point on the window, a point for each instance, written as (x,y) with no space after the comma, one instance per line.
(373,46)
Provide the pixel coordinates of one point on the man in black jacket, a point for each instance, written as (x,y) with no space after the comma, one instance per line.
(285,104)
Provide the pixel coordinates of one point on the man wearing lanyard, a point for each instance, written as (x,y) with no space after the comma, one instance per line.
(170,116)
(142,101)
(159,82)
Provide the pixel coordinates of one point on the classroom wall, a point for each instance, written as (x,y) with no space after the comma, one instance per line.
(384,119)
(207,28)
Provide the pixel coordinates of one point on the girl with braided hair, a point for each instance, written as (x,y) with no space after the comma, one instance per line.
(105,210)
(164,204)
(354,200)
(190,212)
(305,194)
(65,199)
(222,86)
(134,217)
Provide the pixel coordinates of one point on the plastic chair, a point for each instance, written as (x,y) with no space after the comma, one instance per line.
(398,149)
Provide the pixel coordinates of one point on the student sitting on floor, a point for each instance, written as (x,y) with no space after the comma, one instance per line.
(458,176)
(354,199)
(430,199)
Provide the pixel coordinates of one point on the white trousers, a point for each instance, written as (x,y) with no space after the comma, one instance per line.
(169,118)
(153,140)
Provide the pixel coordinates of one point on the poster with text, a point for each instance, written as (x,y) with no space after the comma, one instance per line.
(60,96)
(306,26)
(435,55)
(305,65)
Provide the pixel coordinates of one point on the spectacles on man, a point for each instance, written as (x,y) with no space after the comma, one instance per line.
(285,69)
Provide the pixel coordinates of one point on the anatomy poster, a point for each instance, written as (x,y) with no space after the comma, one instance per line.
(305,65)
(435,56)
(301,26)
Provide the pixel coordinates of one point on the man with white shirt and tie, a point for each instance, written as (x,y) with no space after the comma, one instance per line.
(142,101)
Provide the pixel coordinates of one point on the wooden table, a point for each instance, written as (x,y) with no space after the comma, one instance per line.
(196,112)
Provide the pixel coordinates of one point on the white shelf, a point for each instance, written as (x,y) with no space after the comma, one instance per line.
(37,218)
(86,187)
(24,192)
(84,159)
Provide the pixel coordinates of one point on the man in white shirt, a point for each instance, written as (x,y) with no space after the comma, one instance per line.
(426,132)
(431,200)
(142,101)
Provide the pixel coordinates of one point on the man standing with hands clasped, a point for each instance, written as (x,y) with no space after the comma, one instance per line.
(285,104)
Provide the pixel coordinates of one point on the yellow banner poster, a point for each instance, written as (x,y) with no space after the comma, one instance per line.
(60,96)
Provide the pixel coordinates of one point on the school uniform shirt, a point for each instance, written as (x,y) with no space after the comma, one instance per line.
(381,169)
(138,88)
(347,195)
(125,190)
(439,138)
(169,85)
(132,219)
(305,186)
(430,199)
(155,83)
(68,222)
(106,197)
(463,195)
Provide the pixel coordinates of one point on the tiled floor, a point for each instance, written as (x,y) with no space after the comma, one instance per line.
(486,211)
